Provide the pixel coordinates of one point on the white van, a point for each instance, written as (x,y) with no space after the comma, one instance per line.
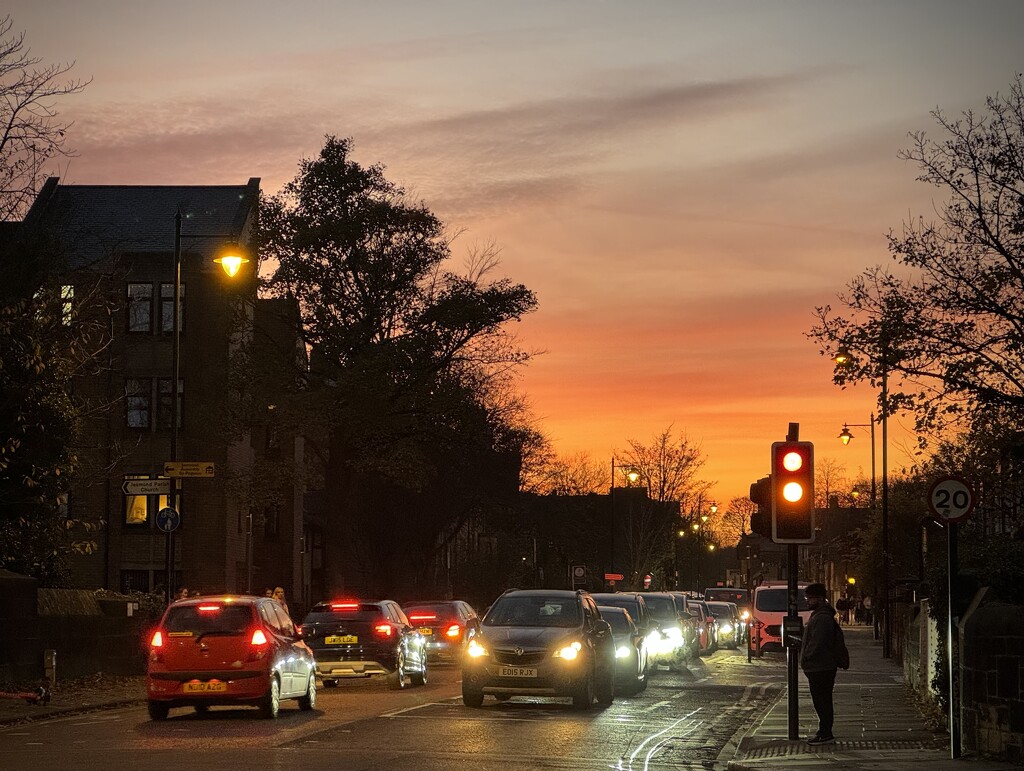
(771,604)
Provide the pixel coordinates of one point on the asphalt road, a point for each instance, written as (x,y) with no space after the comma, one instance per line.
(684,720)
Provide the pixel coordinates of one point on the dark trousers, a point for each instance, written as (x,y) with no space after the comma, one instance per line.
(821,684)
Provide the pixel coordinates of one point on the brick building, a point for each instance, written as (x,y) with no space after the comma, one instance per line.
(118,245)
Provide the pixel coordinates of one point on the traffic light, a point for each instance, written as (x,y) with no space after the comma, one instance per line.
(793,492)
(761,494)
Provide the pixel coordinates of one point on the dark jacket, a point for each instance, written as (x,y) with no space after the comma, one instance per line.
(817,651)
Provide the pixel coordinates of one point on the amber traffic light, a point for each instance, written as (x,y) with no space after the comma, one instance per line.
(792,492)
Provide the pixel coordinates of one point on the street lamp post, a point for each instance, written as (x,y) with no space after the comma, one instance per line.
(843,357)
(631,476)
(230,259)
(698,528)
(845,436)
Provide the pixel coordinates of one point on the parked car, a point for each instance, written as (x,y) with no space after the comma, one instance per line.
(541,642)
(446,626)
(630,651)
(667,611)
(730,630)
(771,605)
(363,638)
(228,650)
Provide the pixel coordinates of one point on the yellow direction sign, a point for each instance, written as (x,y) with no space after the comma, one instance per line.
(188,468)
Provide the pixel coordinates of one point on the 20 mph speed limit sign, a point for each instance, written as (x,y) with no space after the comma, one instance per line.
(950,498)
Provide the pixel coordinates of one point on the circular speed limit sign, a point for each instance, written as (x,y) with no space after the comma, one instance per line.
(950,498)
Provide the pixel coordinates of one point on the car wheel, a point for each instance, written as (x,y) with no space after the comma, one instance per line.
(330,683)
(308,701)
(201,709)
(158,710)
(472,698)
(583,698)
(272,701)
(396,680)
(420,678)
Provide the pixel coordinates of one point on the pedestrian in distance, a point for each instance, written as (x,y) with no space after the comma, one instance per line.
(182,593)
(822,652)
(268,592)
(279,596)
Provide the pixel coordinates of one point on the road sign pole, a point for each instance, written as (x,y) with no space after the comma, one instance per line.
(952,650)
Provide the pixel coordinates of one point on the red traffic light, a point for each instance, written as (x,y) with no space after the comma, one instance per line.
(792,492)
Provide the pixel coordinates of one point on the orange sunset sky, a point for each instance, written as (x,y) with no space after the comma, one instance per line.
(680,182)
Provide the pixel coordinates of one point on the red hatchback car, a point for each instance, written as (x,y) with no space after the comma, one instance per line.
(235,650)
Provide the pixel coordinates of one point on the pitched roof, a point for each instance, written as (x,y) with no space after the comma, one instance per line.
(95,221)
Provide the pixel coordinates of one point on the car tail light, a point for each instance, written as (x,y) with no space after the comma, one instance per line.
(258,645)
(208,608)
(156,646)
(423,617)
(453,631)
(384,630)
(344,606)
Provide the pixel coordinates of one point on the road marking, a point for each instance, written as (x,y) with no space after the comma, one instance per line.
(397,712)
(657,735)
(656,705)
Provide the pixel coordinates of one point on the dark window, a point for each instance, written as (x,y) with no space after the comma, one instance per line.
(271,520)
(140,307)
(138,398)
(134,580)
(167,308)
(164,407)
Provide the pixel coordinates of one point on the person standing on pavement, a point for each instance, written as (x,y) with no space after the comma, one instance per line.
(279,596)
(818,660)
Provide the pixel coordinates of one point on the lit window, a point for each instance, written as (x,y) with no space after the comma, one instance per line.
(167,308)
(137,402)
(141,509)
(67,300)
(140,307)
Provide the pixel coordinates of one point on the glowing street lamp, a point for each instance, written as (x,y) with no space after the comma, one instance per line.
(230,258)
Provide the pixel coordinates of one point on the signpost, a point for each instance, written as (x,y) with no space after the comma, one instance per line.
(579,575)
(167,519)
(190,468)
(146,487)
(951,499)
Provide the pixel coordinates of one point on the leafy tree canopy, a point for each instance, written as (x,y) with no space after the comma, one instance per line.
(947,323)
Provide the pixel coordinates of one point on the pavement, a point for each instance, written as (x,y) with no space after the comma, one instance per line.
(878,724)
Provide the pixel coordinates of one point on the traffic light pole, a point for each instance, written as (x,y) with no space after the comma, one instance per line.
(792,649)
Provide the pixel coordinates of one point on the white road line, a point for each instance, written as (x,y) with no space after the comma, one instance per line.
(656,705)
(410,709)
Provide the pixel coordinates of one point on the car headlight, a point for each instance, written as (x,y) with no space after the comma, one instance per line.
(745,615)
(674,635)
(475,649)
(570,651)
(621,652)
(727,628)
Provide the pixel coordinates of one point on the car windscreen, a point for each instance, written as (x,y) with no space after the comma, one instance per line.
(618,621)
(209,619)
(727,595)
(777,600)
(660,607)
(628,604)
(534,610)
(720,610)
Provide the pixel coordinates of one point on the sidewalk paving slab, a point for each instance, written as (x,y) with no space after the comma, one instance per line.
(877,726)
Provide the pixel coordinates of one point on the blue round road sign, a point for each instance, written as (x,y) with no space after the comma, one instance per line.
(167,519)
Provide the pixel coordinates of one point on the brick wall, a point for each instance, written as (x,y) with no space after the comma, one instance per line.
(992,678)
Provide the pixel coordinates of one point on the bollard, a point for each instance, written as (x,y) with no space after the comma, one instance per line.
(50,665)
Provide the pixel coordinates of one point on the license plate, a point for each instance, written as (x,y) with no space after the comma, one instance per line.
(426,630)
(518,672)
(214,686)
(341,639)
